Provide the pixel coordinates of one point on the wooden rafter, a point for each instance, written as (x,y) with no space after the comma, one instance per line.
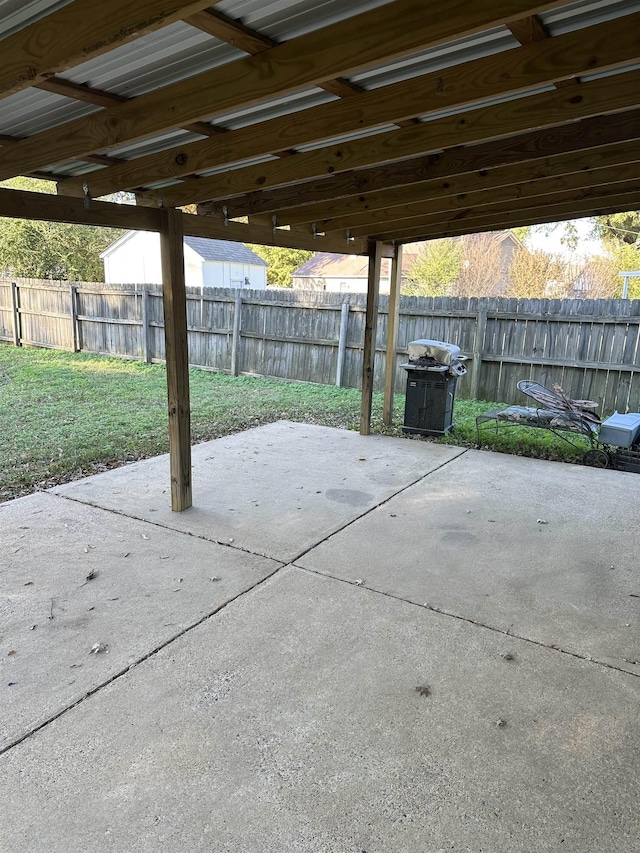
(353,210)
(517,196)
(601,47)
(382,34)
(515,116)
(233,32)
(550,209)
(532,147)
(80,31)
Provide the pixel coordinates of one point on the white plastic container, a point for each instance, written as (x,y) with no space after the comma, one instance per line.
(620,430)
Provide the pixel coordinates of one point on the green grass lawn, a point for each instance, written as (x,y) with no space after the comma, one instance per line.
(65,415)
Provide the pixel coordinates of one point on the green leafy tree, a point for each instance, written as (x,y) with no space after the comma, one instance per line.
(282,262)
(58,250)
(618,228)
(434,270)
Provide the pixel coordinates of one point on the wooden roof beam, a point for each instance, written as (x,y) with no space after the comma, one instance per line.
(381,34)
(517,195)
(20,204)
(586,136)
(547,109)
(335,213)
(556,208)
(601,46)
(80,31)
(504,223)
(233,32)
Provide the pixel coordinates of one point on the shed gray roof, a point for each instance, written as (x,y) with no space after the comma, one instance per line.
(223,250)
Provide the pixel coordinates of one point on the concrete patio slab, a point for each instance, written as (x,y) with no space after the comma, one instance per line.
(542,550)
(275,490)
(291,721)
(150,584)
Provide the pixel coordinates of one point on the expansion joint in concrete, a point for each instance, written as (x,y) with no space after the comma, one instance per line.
(450,615)
(138,661)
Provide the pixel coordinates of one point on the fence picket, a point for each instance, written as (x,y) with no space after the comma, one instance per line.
(591,346)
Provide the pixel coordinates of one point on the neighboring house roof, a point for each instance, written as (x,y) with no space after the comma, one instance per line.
(223,250)
(329,265)
(207,248)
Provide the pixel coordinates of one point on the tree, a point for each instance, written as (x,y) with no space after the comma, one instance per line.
(534,273)
(58,250)
(483,272)
(282,262)
(434,270)
(618,228)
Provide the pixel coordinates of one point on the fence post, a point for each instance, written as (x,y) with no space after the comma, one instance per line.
(342,343)
(146,329)
(478,346)
(15,311)
(73,294)
(393,318)
(237,329)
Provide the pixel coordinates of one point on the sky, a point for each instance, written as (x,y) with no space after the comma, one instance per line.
(551,242)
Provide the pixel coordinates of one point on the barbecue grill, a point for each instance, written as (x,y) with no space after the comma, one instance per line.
(433,370)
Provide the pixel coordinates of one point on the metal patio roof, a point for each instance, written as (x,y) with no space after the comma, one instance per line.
(332,122)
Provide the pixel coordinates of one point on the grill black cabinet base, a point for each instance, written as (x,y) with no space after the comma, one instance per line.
(428,408)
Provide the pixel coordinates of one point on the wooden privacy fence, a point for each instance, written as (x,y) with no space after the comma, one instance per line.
(590,347)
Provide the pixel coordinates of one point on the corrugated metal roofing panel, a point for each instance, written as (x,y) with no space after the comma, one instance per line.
(34,110)
(467,49)
(286,19)
(155,60)
(286,105)
(586,13)
(152,144)
(17,14)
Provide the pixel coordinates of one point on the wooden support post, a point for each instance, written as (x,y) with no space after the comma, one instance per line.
(478,346)
(342,343)
(73,303)
(15,313)
(371,322)
(177,356)
(392,336)
(146,326)
(237,330)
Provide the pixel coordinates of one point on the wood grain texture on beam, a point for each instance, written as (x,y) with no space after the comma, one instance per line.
(362,224)
(21,204)
(498,223)
(382,34)
(212,226)
(176,357)
(546,109)
(553,208)
(347,212)
(588,135)
(370,331)
(78,32)
(244,38)
(601,46)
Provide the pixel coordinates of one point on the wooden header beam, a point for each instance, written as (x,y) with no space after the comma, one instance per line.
(602,46)
(20,204)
